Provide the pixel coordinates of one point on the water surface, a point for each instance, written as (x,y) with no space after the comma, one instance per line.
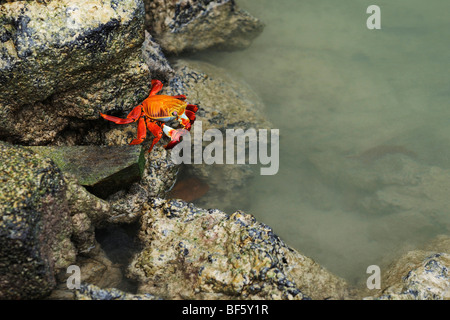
(363,118)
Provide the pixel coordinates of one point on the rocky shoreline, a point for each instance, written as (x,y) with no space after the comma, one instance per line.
(61,63)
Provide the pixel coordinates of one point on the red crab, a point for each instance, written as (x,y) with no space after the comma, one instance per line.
(154,111)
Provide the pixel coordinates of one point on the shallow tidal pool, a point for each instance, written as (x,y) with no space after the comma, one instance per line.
(363,115)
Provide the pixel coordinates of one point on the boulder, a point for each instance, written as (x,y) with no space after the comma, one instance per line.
(419,274)
(65,60)
(159,175)
(193,25)
(193,253)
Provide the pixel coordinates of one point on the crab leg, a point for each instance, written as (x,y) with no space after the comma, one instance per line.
(180,97)
(156,131)
(190,114)
(156,87)
(131,117)
(142,132)
(192,107)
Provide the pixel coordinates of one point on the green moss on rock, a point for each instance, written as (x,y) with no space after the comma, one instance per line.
(104,169)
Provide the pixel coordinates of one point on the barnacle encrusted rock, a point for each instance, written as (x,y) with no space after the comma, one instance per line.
(35,226)
(193,253)
(93,292)
(193,25)
(419,274)
(68,58)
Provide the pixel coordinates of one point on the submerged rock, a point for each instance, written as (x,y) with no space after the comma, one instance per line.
(188,189)
(192,25)
(192,253)
(35,226)
(393,184)
(62,59)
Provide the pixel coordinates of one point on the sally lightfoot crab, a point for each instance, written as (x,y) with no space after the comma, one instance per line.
(154,111)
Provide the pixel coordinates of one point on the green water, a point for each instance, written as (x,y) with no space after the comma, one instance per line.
(336,89)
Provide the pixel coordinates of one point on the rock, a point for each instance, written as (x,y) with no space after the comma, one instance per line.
(83,203)
(99,270)
(35,227)
(92,292)
(224,102)
(95,268)
(158,177)
(192,25)
(192,253)
(88,60)
(104,170)
(419,274)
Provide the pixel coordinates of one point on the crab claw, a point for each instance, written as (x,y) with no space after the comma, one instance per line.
(192,107)
(176,136)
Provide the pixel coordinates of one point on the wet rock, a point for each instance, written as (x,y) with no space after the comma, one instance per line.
(95,268)
(104,170)
(99,270)
(92,292)
(35,227)
(192,25)
(419,274)
(83,203)
(224,103)
(64,59)
(192,253)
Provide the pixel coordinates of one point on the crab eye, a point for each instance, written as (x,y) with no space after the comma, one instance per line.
(174,113)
